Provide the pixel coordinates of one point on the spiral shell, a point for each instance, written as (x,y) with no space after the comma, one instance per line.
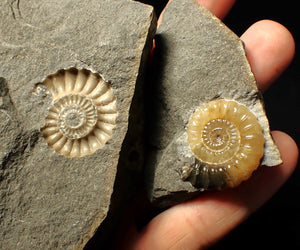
(83,112)
(226,137)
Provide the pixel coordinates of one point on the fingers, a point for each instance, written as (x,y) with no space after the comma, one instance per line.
(201,222)
(270,48)
(219,8)
(267,180)
(287,147)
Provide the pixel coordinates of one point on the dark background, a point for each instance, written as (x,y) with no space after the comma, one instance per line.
(277,224)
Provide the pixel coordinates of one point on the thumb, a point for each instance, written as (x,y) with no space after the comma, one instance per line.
(203,221)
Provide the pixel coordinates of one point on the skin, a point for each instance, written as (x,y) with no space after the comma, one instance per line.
(201,222)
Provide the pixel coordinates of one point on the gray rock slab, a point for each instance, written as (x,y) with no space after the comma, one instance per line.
(198,59)
(49,201)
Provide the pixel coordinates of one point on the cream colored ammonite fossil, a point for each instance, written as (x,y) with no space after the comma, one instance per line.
(83,112)
(228,144)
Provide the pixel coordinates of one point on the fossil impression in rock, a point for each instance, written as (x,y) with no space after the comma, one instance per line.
(227,142)
(83,112)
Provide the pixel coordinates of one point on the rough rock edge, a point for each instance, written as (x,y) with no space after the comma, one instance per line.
(104,225)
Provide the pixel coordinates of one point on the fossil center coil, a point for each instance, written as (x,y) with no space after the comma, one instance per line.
(77,115)
(220,137)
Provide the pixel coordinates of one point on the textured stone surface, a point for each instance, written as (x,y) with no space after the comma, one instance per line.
(198,59)
(47,200)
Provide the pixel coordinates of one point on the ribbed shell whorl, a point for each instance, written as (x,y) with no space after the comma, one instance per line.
(83,112)
(227,135)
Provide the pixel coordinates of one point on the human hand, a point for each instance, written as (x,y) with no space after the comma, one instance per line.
(199,223)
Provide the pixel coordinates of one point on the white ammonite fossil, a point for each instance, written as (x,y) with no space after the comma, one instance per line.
(228,144)
(83,112)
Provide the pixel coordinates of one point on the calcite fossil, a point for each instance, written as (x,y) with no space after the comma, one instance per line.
(83,112)
(227,142)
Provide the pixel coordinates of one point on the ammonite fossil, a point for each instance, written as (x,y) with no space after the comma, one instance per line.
(83,112)
(227,142)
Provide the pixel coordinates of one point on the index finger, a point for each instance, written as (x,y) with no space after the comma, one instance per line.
(219,8)
(270,48)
